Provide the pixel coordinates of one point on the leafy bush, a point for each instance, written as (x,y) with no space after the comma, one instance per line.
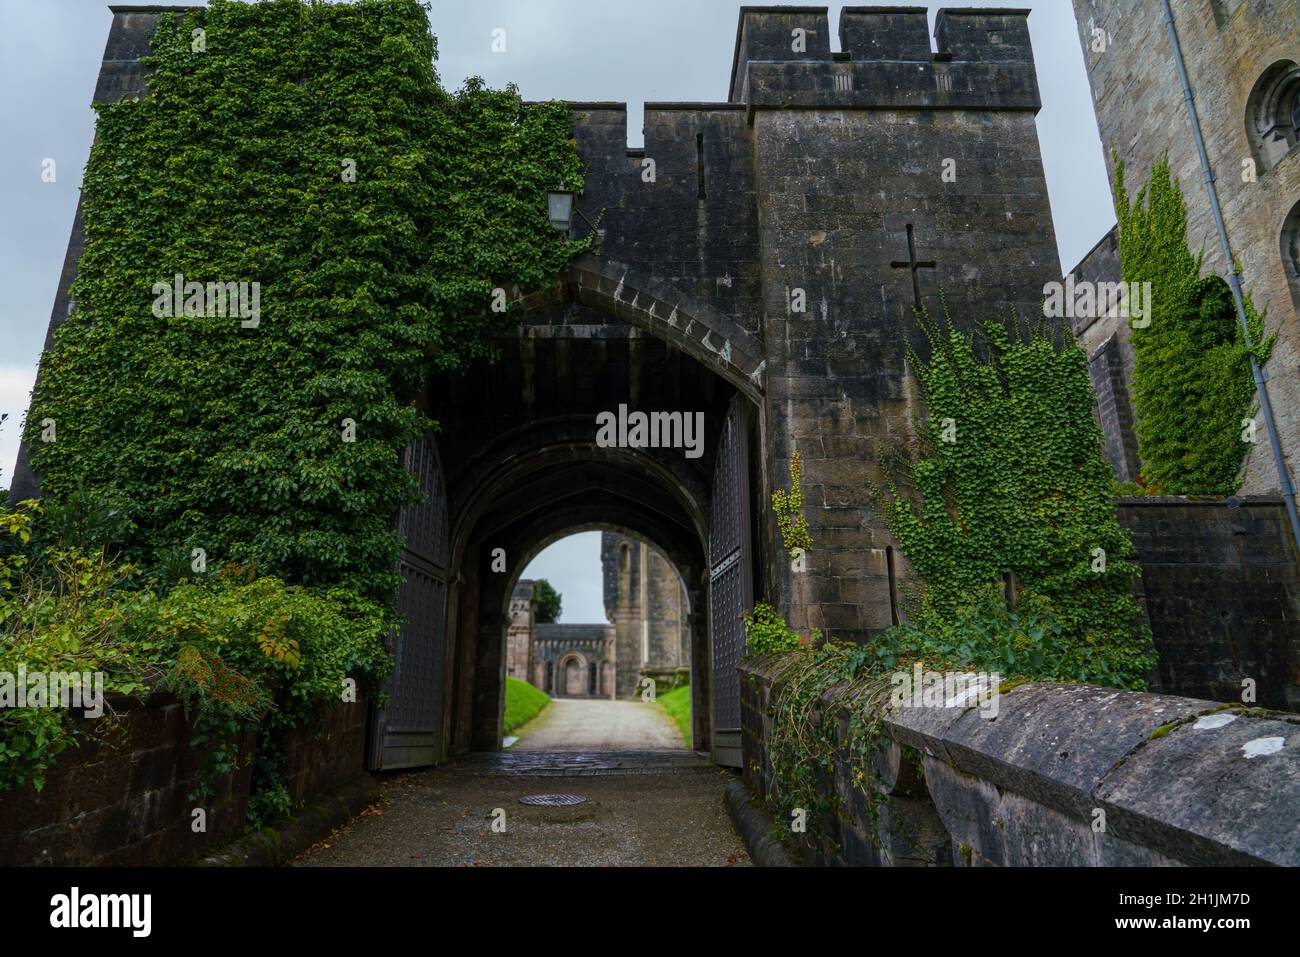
(234,647)
(69,620)
(1192,382)
(987,636)
(766,631)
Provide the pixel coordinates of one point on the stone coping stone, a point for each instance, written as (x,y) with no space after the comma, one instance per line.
(1220,790)
(1053,743)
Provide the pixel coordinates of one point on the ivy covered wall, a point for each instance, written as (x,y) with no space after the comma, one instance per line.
(309,149)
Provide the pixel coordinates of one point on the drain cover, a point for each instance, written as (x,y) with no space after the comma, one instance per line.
(553,800)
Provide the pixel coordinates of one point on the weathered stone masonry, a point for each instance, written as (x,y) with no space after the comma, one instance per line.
(1170,781)
(1236,54)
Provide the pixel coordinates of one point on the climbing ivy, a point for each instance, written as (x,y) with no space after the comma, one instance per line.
(1192,384)
(307,147)
(794,527)
(1008,480)
(1005,485)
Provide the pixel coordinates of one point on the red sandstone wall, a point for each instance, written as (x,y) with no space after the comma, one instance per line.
(121,798)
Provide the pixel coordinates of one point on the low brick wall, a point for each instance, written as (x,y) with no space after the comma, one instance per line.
(121,798)
(1221,588)
(1065,775)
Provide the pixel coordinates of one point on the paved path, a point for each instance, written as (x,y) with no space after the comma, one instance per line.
(658,808)
(595,724)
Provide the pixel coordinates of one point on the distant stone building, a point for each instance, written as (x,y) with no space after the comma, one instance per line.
(574,661)
(645,604)
(519,633)
(1243,63)
(646,634)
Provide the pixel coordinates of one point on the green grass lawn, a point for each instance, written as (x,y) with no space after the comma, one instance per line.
(678,705)
(523,702)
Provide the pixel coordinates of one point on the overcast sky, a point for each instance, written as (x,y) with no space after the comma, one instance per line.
(628,50)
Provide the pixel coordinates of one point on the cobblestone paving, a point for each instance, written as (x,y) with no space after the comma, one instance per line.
(657,808)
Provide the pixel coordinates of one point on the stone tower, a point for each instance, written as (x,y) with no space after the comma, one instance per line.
(645,603)
(519,632)
(1243,63)
(885,173)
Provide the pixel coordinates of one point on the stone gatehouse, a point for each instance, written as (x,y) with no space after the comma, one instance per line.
(645,635)
(759,263)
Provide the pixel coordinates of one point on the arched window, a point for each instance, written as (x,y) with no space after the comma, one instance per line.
(1273,113)
(1291,252)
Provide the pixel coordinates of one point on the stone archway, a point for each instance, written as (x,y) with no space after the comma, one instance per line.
(526,468)
(573,676)
(716,341)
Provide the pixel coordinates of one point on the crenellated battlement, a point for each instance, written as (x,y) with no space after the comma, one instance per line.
(778,34)
(991,35)
(885,33)
(984,60)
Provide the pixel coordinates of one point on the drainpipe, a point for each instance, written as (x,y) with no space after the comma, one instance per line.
(1234,280)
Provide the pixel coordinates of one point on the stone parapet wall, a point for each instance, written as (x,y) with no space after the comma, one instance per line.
(122,796)
(1065,775)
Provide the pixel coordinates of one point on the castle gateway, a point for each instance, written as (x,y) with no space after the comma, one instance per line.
(760,263)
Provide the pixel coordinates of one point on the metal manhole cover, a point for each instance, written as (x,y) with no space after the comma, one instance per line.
(553,800)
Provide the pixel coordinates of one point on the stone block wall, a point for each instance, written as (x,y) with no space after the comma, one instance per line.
(1066,775)
(519,632)
(850,151)
(1221,588)
(122,797)
(326,754)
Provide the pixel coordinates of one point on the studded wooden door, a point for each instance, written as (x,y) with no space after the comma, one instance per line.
(731,581)
(407,732)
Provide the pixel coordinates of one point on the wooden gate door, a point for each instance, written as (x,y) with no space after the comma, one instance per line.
(731,581)
(407,732)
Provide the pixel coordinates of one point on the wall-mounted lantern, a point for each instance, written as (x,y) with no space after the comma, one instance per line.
(559,205)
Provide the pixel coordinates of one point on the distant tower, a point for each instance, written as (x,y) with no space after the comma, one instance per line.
(519,633)
(1243,63)
(646,604)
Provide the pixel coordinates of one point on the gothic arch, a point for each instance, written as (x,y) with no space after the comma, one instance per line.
(718,342)
(526,503)
(1273,114)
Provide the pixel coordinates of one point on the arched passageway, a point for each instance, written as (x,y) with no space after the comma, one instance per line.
(523,462)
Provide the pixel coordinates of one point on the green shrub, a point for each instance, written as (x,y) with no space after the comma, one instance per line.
(766,631)
(234,647)
(547,600)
